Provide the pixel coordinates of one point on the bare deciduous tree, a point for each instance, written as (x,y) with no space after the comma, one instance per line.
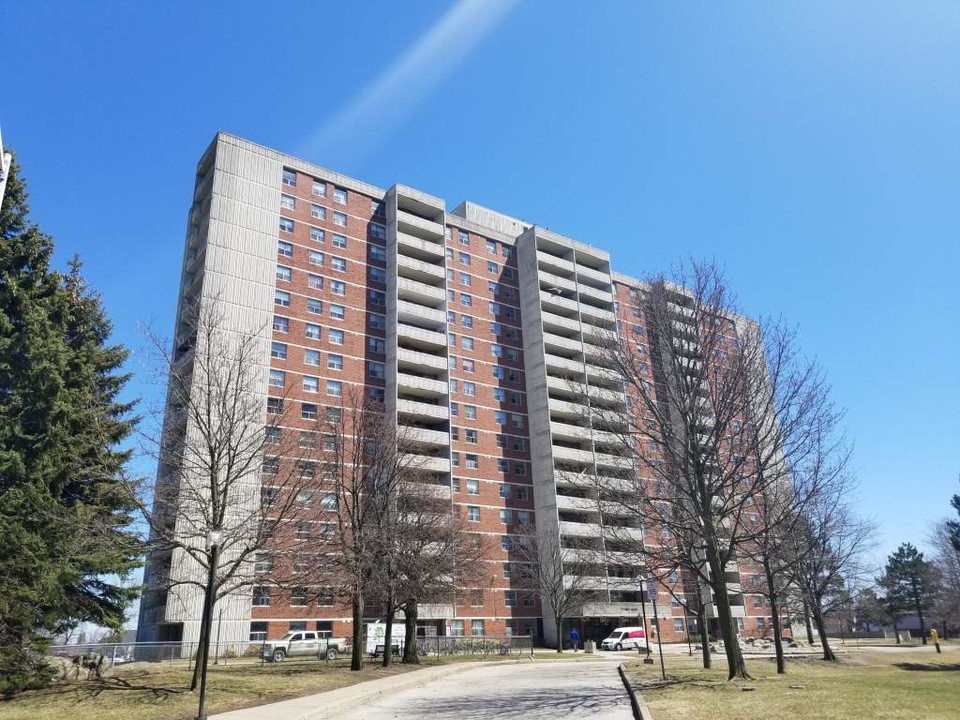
(212,449)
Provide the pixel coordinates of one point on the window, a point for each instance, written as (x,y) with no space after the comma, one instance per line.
(377,252)
(284,274)
(281,298)
(278,350)
(312,331)
(281,324)
(476,628)
(455,484)
(470,388)
(261,598)
(376,370)
(506,516)
(466,300)
(466,321)
(455,459)
(496,329)
(377,297)
(523,517)
(521,493)
(288,202)
(376,345)
(340,195)
(302,531)
(496,351)
(339,218)
(464,258)
(298,597)
(377,275)
(513,355)
(274,406)
(473,461)
(311,357)
(314,306)
(338,287)
(467,343)
(284,249)
(519,444)
(378,231)
(516,420)
(492,247)
(333,415)
(376,322)
(500,395)
(473,487)
(317,235)
(456,628)
(308,411)
(339,264)
(470,412)
(334,388)
(289,178)
(272,435)
(314,282)
(498,372)
(306,469)
(271,466)
(316,258)
(277,378)
(339,241)
(500,417)
(286,225)
(454,409)
(318,211)
(337,312)
(502,465)
(335,337)
(492,267)
(464,238)
(311,384)
(452,339)
(470,437)
(468,366)
(263,563)
(506,543)
(473,513)
(319,188)
(465,279)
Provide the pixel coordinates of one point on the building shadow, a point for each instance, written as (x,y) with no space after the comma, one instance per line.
(929,667)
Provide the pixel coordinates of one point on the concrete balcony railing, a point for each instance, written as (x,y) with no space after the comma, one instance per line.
(420,361)
(562,366)
(565,388)
(595,296)
(592,277)
(414,269)
(565,502)
(419,248)
(560,304)
(596,314)
(550,280)
(415,409)
(425,436)
(554,264)
(572,455)
(419,227)
(565,431)
(419,292)
(613,461)
(425,463)
(577,529)
(557,342)
(409,312)
(419,337)
(559,324)
(568,410)
(416,385)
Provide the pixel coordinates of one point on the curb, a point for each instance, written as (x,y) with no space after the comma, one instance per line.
(639,707)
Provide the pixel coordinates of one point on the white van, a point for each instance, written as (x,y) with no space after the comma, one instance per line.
(625,638)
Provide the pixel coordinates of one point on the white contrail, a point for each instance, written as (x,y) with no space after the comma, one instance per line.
(395,92)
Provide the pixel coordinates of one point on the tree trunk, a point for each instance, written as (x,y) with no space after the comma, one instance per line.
(410,654)
(356,655)
(806,621)
(822,632)
(919,607)
(388,634)
(559,624)
(775,609)
(721,598)
(702,627)
(896,630)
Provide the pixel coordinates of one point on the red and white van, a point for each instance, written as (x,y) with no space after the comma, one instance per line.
(625,638)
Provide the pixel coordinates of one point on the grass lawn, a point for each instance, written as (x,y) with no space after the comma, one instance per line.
(158,691)
(866,684)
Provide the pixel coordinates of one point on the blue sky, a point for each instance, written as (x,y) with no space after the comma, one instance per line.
(812,147)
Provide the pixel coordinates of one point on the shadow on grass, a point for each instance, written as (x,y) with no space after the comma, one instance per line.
(929,667)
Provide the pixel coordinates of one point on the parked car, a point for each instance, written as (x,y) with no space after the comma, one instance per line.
(303,643)
(626,638)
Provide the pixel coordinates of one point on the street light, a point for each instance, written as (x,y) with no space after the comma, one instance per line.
(214,538)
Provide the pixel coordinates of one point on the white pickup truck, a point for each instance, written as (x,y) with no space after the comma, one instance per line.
(303,643)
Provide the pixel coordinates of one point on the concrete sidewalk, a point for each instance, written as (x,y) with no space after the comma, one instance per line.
(328,704)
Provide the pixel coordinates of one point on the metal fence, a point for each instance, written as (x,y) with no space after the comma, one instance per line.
(184,653)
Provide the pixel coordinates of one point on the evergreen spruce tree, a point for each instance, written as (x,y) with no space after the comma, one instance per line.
(66,536)
(910,583)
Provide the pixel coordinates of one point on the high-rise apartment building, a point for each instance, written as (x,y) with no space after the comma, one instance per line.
(469,326)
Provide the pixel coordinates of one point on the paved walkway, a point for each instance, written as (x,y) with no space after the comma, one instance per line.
(529,689)
(584,689)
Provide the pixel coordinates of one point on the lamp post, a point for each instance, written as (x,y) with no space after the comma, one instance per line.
(214,538)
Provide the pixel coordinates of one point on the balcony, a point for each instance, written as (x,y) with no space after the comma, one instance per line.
(415,247)
(415,409)
(566,502)
(605,398)
(578,529)
(420,338)
(617,462)
(569,410)
(554,264)
(563,431)
(554,343)
(420,361)
(424,436)
(558,324)
(601,315)
(562,387)
(594,278)
(408,312)
(549,280)
(426,463)
(416,385)
(556,303)
(574,455)
(418,292)
(595,296)
(563,366)
(419,227)
(414,269)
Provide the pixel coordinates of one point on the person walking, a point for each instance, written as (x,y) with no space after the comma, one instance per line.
(575,639)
